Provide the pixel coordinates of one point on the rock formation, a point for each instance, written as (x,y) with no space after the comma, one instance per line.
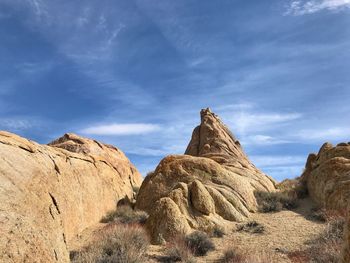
(327,176)
(212,184)
(49,194)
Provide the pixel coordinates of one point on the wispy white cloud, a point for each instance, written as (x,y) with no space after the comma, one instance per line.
(15,124)
(39,8)
(263,140)
(324,134)
(280,166)
(246,122)
(121,129)
(308,7)
(236,107)
(284,171)
(32,68)
(278,160)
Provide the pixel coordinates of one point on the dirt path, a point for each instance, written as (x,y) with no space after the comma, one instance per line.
(284,231)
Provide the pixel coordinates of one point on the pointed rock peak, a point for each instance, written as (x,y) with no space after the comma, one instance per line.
(214,140)
(325,147)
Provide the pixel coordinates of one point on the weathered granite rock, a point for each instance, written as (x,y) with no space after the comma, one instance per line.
(212,184)
(327,176)
(49,194)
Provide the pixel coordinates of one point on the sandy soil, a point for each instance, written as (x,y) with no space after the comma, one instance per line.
(284,231)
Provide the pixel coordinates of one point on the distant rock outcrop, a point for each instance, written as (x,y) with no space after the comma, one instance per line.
(327,176)
(49,194)
(212,184)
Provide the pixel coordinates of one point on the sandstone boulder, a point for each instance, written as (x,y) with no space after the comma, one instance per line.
(212,184)
(49,194)
(327,176)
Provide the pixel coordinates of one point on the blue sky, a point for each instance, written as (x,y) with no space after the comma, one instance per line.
(135,73)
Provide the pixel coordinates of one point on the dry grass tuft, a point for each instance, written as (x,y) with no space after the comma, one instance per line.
(184,248)
(234,255)
(217,231)
(116,243)
(294,187)
(251,227)
(125,215)
(199,243)
(177,251)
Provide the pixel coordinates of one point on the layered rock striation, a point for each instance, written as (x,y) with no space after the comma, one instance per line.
(50,193)
(213,183)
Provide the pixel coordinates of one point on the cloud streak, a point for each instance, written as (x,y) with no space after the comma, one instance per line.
(118,129)
(16,124)
(310,7)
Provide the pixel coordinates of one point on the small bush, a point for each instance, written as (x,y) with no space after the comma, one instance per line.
(323,215)
(115,243)
(125,215)
(275,201)
(318,214)
(135,189)
(232,255)
(252,227)
(217,232)
(177,251)
(199,243)
(294,187)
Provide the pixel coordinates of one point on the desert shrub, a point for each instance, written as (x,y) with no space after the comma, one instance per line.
(233,255)
(115,243)
(177,251)
(295,187)
(318,214)
(151,173)
(136,189)
(125,215)
(275,201)
(217,231)
(251,227)
(199,243)
(327,247)
(323,215)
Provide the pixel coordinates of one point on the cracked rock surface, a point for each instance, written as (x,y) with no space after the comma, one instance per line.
(50,193)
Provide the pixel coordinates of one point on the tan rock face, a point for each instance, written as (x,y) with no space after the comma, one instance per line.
(49,194)
(212,184)
(327,176)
